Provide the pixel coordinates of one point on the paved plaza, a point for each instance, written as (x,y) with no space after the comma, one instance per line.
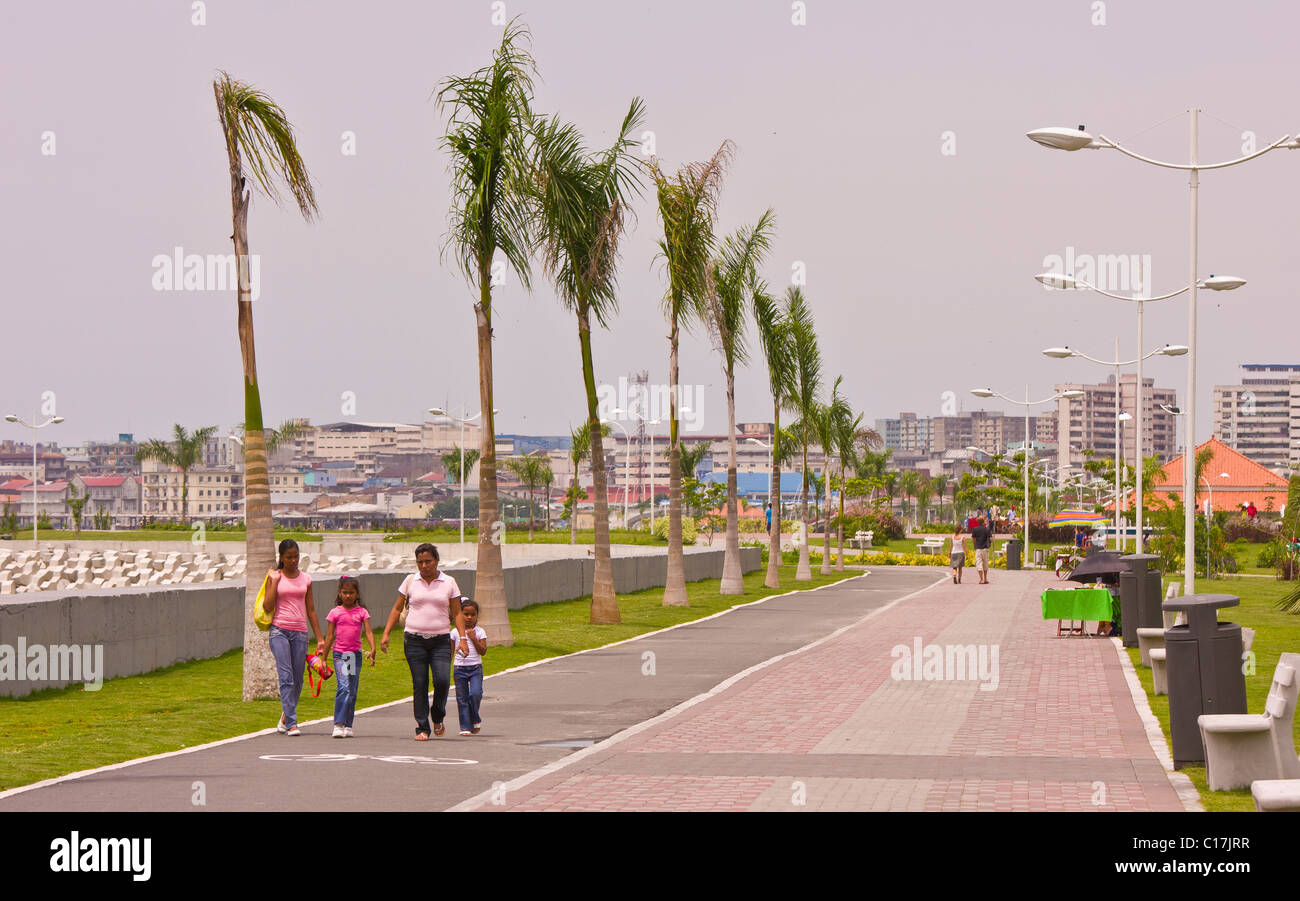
(809,701)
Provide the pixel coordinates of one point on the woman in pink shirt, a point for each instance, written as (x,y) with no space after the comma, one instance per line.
(434,600)
(288,594)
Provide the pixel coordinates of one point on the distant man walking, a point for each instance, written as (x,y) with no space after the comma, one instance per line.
(982,536)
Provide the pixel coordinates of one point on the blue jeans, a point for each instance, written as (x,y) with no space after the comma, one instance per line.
(425,655)
(347,674)
(469,694)
(290,652)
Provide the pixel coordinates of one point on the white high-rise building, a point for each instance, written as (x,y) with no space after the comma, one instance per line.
(1258,417)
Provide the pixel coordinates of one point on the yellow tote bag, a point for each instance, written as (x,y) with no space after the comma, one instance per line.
(260,616)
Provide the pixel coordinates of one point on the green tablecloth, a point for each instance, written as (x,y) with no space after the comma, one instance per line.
(1081,604)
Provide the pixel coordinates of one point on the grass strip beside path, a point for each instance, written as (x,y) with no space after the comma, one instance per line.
(1275,633)
(58,731)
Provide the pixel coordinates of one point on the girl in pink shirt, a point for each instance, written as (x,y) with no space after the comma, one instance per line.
(345,623)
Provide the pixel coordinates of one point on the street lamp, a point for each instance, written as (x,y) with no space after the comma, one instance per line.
(1169,350)
(54,420)
(438,411)
(1026,403)
(627,464)
(1066,139)
(632,414)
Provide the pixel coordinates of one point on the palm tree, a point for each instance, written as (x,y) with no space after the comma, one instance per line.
(829,420)
(582,202)
(734,276)
(580,450)
(531,470)
(184,451)
(487,141)
(802,400)
(692,457)
(847,436)
(907,485)
(925,491)
(940,485)
(455,466)
(259,143)
(687,204)
(775,337)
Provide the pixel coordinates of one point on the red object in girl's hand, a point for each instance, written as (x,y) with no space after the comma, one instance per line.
(316,664)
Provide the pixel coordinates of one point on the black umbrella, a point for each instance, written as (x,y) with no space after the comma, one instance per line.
(1103,567)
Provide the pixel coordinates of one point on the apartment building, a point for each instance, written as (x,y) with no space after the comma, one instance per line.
(1088,422)
(1258,416)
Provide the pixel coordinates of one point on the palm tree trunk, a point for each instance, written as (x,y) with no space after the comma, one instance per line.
(839,559)
(604,600)
(259,676)
(532,492)
(185,496)
(773,579)
(803,573)
(489,580)
(826,528)
(675,581)
(733,576)
(573,511)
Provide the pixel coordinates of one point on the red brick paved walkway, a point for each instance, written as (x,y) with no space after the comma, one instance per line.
(1048,724)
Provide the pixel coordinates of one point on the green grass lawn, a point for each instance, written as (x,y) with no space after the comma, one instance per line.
(60,731)
(1275,633)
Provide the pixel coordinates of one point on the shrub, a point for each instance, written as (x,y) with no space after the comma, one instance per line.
(1267,555)
(885,526)
(689,530)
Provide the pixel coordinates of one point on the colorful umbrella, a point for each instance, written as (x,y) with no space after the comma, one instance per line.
(1078,518)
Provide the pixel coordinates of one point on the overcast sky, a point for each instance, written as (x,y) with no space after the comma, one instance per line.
(919,259)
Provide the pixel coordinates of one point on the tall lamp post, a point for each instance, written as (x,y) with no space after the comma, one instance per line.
(1072,139)
(1169,350)
(53,420)
(462,419)
(627,463)
(632,414)
(1027,403)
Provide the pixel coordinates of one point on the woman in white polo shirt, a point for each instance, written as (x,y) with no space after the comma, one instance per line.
(434,599)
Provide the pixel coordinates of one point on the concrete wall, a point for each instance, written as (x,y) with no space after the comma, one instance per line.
(142,629)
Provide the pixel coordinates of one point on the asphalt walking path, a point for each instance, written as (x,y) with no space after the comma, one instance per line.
(804,701)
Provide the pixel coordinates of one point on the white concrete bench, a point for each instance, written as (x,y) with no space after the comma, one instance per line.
(930,546)
(1272,795)
(862,540)
(1241,748)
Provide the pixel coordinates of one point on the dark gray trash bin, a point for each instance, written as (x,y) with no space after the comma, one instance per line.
(1139,597)
(1203,662)
(1014,548)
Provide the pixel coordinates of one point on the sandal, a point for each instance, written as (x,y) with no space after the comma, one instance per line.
(439,729)
(422,736)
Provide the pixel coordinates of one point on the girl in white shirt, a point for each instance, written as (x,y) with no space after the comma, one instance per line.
(468,650)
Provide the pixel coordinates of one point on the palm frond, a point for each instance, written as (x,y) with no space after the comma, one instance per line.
(259,135)
(487,143)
